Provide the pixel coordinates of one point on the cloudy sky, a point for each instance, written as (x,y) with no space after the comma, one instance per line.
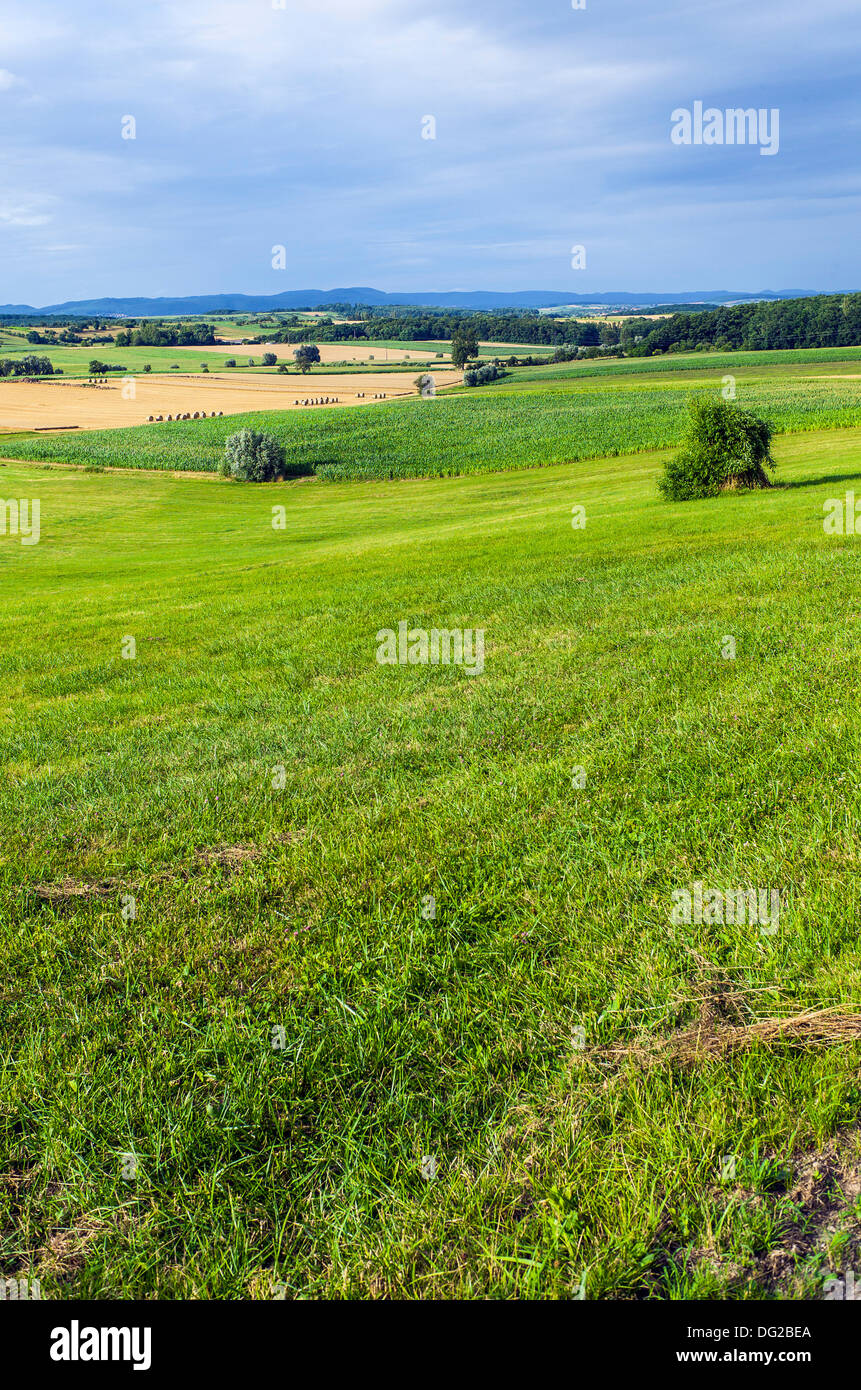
(261,123)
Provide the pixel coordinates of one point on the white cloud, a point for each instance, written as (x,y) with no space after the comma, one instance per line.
(22,215)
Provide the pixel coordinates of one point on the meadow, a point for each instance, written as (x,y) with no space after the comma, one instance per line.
(342,980)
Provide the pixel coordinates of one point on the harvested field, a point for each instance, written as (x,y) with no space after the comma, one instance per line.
(330,352)
(51,404)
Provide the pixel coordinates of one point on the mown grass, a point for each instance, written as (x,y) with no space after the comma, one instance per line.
(406,1037)
(504,427)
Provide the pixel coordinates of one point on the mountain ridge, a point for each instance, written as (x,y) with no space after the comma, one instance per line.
(366,295)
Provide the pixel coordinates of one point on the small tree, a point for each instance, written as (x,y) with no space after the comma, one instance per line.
(724,448)
(459,354)
(464,345)
(269,359)
(231,362)
(251,456)
(306,356)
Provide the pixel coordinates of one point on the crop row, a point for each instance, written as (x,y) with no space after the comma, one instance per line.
(482,432)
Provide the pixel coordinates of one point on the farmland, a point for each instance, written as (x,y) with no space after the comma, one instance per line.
(75,361)
(377,355)
(536,416)
(56,404)
(234,1036)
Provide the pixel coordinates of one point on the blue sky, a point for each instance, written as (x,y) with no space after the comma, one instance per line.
(301,126)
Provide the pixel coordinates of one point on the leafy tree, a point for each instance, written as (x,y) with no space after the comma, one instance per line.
(231,362)
(724,447)
(459,354)
(252,456)
(464,345)
(269,359)
(306,356)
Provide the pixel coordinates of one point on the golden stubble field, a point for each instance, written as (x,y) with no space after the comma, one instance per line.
(54,404)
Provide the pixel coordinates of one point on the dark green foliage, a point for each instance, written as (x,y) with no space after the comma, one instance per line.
(464,345)
(29,365)
(155,334)
(724,447)
(306,356)
(826,320)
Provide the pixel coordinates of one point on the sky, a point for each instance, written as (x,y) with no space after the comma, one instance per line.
(303,124)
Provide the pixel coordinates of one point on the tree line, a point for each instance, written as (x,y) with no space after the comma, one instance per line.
(428,326)
(154,334)
(827,320)
(29,365)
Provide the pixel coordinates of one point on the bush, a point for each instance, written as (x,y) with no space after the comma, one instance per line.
(231,362)
(725,447)
(269,359)
(481,376)
(250,456)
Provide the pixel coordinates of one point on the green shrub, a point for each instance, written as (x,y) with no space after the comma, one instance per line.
(250,456)
(724,447)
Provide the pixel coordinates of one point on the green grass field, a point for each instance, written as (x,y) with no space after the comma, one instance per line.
(279,807)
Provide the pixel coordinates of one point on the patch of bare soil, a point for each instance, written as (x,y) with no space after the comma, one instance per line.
(71,889)
(819,1251)
(229,856)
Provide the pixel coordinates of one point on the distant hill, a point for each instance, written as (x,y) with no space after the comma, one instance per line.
(363,294)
